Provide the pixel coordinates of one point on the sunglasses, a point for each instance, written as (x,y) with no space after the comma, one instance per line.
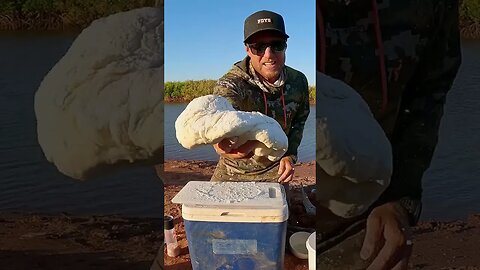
(276,46)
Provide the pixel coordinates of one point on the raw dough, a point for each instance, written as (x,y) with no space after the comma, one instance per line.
(209,119)
(353,152)
(101,105)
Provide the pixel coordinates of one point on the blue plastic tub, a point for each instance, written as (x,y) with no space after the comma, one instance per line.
(247,233)
(237,246)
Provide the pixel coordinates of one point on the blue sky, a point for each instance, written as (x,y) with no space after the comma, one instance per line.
(204,38)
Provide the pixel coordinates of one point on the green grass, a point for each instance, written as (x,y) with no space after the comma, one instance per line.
(185,91)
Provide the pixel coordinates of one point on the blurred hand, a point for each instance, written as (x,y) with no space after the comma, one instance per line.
(286,170)
(227,148)
(388,238)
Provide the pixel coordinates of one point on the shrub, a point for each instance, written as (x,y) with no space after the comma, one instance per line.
(188,90)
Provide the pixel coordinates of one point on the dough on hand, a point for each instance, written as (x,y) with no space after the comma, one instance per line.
(209,119)
(100,107)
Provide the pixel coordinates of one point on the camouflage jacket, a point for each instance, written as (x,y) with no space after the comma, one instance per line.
(421,48)
(240,88)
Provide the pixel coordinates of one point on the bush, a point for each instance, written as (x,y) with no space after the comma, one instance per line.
(470,18)
(312,93)
(39,6)
(188,90)
(470,11)
(60,14)
(7,7)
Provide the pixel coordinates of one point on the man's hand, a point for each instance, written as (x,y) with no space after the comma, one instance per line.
(227,148)
(286,170)
(387,238)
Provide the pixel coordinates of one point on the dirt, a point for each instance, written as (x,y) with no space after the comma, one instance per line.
(63,241)
(437,245)
(447,245)
(178,173)
(31,241)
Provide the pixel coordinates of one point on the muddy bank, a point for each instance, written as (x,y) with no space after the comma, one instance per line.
(63,241)
(178,173)
(437,244)
(69,242)
(73,242)
(447,245)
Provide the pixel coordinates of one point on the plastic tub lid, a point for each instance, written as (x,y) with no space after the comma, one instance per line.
(233,201)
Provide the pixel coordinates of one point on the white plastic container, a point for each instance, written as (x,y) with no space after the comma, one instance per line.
(311,247)
(298,244)
(234,225)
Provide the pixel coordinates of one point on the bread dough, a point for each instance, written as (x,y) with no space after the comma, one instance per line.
(209,119)
(353,152)
(101,105)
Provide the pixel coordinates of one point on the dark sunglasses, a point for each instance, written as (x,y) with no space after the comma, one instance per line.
(276,46)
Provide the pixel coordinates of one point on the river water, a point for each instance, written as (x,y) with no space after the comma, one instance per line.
(29,183)
(451,185)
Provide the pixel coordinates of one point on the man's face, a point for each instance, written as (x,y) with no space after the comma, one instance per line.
(269,61)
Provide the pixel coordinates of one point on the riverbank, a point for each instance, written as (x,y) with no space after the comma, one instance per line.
(471,31)
(437,244)
(72,15)
(35,241)
(169,100)
(63,241)
(178,173)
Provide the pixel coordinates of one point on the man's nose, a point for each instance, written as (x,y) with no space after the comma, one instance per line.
(268,52)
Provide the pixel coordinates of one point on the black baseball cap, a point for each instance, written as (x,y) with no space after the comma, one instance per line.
(261,21)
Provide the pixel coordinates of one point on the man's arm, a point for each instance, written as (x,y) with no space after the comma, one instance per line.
(295,134)
(227,88)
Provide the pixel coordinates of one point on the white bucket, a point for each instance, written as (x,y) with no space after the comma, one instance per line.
(311,244)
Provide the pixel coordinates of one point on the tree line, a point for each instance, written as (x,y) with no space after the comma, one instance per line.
(61,14)
(185,91)
(78,14)
(470,18)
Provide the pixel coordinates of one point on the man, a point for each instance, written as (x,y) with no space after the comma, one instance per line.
(262,82)
(401,57)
